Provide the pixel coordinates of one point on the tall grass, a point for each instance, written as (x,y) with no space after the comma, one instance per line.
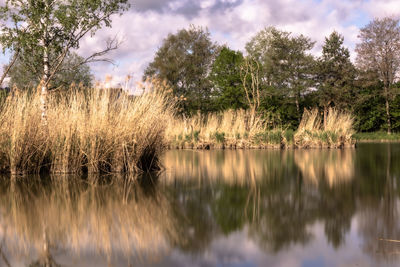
(86,130)
(335,132)
(229,129)
(239,129)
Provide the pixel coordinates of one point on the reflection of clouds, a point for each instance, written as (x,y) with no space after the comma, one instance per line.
(238,250)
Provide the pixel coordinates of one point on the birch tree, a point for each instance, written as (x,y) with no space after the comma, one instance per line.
(50,29)
(379,51)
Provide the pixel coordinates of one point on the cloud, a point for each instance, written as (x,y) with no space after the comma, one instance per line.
(382,8)
(231,22)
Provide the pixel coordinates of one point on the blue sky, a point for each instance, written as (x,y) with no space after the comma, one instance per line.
(231,22)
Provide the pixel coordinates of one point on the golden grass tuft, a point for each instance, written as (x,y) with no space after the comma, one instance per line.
(229,129)
(336,132)
(86,130)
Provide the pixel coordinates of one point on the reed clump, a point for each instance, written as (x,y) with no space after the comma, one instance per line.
(85,130)
(241,129)
(335,132)
(229,129)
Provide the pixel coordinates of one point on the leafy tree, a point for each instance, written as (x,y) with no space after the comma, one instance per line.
(261,48)
(50,29)
(72,70)
(335,73)
(379,52)
(227,85)
(185,60)
(285,62)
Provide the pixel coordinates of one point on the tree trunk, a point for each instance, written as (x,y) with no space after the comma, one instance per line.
(298,108)
(44,85)
(325,115)
(46,67)
(14,58)
(389,129)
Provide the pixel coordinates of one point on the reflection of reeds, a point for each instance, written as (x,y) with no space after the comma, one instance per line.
(230,166)
(332,166)
(120,217)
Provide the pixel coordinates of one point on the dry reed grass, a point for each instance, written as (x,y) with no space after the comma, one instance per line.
(229,129)
(86,130)
(336,132)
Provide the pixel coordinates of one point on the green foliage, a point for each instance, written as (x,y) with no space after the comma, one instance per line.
(72,71)
(289,135)
(45,31)
(269,137)
(219,137)
(184,60)
(335,73)
(286,64)
(225,75)
(377,136)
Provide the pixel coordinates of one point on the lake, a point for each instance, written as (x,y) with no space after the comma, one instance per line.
(213,208)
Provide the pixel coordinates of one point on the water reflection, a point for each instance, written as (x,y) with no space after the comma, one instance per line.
(261,208)
(279,197)
(121,217)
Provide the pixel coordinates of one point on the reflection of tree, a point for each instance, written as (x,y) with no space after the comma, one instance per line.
(192,212)
(106,217)
(277,199)
(379,222)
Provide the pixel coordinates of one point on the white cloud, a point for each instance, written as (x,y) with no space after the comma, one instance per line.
(231,22)
(382,8)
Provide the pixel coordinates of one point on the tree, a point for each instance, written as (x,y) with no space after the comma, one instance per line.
(285,62)
(72,70)
(185,60)
(379,52)
(261,48)
(335,73)
(50,29)
(227,85)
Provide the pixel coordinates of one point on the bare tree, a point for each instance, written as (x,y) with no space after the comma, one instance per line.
(250,76)
(379,51)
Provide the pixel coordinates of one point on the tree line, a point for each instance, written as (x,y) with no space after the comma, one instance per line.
(278,76)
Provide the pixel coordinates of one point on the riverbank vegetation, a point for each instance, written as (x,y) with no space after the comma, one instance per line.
(241,129)
(84,130)
(278,76)
(377,137)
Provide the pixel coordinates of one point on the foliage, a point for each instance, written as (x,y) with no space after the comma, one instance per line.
(377,136)
(73,70)
(227,85)
(378,52)
(285,61)
(185,60)
(47,30)
(335,73)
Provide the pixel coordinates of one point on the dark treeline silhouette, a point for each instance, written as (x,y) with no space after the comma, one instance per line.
(286,76)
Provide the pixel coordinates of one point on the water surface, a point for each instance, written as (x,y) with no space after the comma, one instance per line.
(213,208)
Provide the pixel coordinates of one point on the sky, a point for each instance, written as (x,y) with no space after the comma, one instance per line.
(231,22)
